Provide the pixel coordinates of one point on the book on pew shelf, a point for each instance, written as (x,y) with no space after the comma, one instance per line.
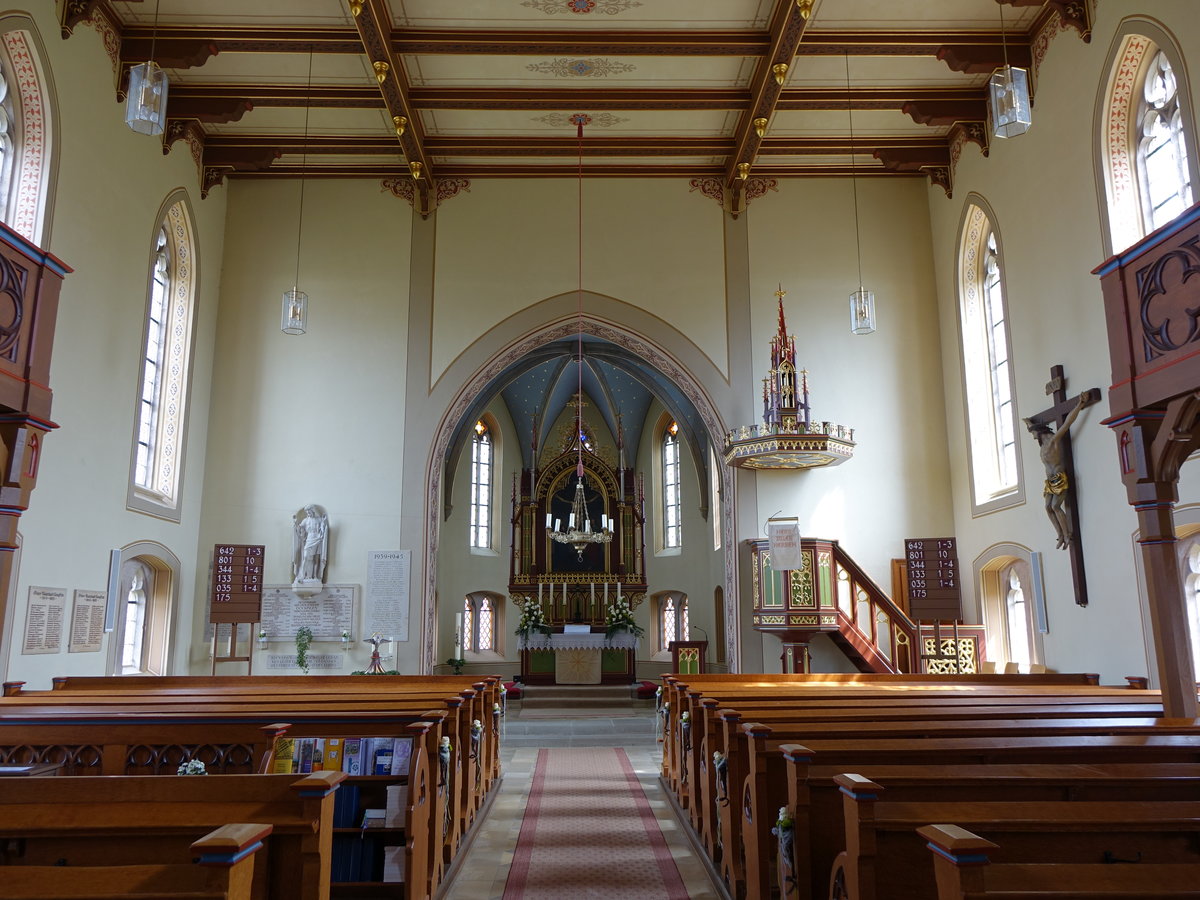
(318,763)
(366,755)
(345,806)
(397,799)
(401,755)
(374,818)
(347,857)
(333,754)
(304,755)
(393,864)
(282,763)
(370,867)
(351,761)
(383,760)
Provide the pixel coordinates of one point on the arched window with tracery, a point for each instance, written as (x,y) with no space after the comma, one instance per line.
(673,624)
(156,467)
(141,640)
(1146,149)
(480,623)
(482,469)
(988,378)
(1008,577)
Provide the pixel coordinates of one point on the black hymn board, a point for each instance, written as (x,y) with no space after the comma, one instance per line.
(237,583)
(934,594)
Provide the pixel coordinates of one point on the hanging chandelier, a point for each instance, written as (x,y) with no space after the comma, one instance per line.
(1008,95)
(294,315)
(579,533)
(146,102)
(862,301)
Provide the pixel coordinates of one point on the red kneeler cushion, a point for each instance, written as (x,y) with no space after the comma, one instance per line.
(513,690)
(646,690)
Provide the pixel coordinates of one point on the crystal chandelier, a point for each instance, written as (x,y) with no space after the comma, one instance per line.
(579,532)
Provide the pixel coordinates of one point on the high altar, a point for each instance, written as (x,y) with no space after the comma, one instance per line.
(574,583)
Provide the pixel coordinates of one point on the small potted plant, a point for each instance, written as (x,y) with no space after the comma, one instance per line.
(456,664)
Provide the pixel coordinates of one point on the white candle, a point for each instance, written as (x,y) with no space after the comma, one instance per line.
(571,520)
(618,590)
(458,625)
(606,593)
(539,593)
(564,596)
(549,519)
(592,604)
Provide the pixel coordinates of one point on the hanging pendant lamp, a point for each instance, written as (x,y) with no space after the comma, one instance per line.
(295,302)
(862,301)
(1008,95)
(146,101)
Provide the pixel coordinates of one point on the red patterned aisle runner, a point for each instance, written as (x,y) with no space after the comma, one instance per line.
(589,832)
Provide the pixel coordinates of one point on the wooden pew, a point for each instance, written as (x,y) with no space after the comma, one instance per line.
(755,769)
(885,859)
(135,820)
(475,755)
(136,742)
(224,871)
(963,871)
(815,799)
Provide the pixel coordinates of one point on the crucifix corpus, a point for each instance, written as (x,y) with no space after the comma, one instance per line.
(1060,487)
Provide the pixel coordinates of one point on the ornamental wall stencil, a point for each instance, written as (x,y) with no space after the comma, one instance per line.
(588,67)
(599,120)
(582,7)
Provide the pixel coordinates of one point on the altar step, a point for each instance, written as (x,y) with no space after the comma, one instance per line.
(592,697)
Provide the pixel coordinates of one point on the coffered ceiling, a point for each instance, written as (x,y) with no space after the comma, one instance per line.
(495,88)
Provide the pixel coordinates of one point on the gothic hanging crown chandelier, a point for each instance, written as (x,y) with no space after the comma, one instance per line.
(579,533)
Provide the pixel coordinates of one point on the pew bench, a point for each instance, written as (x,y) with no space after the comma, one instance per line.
(963,871)
(224,870)
(884,858)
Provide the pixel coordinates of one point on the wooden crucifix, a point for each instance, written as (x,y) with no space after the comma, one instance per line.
(1061,488)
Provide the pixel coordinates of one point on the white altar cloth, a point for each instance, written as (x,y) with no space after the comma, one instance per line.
(623,640)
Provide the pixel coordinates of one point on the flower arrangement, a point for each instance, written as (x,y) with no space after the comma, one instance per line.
(618,616)
(192,767)
(533,621)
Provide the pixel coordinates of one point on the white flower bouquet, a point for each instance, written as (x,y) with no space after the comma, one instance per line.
(192,767)
(533,621)
(618,616)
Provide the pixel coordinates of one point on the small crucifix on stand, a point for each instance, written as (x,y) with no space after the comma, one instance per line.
(1060,486)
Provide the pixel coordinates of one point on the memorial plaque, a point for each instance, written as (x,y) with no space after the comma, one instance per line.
(87,622)
(237,583)
(934,592)
(44,620)
(328,613)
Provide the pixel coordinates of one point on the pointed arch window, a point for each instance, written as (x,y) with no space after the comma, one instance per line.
(988,376)
(1162,152)
(673,624)
(1146,160)
(482,465)
(672,504)
(156,467)
(481,623)
(28,126)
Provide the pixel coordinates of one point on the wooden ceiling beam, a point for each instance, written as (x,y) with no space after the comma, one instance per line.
(136,39)
(373,19)
(787,28)
(369,97)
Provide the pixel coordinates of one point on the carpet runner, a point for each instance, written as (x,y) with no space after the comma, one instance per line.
(589,832)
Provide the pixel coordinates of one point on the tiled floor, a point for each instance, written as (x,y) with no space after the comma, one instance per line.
(484,869)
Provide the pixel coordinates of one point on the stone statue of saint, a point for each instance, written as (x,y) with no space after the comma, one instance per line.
(310,546)
(1056,489)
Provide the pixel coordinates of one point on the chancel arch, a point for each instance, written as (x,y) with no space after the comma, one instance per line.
(548,339)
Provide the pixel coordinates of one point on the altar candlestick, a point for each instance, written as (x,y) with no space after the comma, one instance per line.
(618,590)
(592,603)
(539,593)
(549,519)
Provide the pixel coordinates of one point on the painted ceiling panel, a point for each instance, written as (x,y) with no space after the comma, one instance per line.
(631,14)
(584,72)
(547,123)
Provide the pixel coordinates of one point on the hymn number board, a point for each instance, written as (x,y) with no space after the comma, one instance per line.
(933,587)
(237,583)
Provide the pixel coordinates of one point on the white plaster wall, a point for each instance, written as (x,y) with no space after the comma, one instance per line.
(1042,189)
(313,418)
(886,385)
(111,185)
(647,242)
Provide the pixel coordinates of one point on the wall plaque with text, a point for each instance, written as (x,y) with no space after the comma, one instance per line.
(237,583)
(934,593)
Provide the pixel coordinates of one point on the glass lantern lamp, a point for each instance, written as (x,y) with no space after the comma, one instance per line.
(1008,102)
(862,311)
(295,312)
(146,103)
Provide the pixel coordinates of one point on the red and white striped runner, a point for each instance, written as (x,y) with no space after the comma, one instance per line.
(589,832)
